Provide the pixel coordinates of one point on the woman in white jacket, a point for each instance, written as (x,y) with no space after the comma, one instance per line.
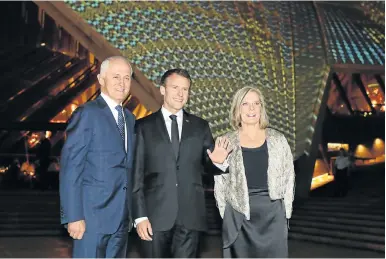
(255,197)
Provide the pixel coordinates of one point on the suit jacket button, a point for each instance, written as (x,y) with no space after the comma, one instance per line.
(178,167)
(124,188)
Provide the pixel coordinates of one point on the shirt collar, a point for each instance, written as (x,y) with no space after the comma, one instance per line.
(167,113)
(110,102)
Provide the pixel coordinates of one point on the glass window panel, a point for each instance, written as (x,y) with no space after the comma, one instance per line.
(335,102)
(374,91)
(354,94)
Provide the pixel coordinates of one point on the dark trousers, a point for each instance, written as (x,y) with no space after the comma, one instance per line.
(177,242)
(95,245)
(341,182)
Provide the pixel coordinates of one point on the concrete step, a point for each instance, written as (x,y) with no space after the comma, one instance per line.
(28,193)
(338,242)
(29,226)
(358,215)
(341,207)
(30,205)
(30,209)
(342,221)
(331,226)
(29,214)
(348,199)
(379,239)
(376,204)
(39,220)
(334,207)
(33,200)
(27,232)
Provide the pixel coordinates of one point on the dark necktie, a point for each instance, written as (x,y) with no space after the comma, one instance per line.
(121,122)
(175,136)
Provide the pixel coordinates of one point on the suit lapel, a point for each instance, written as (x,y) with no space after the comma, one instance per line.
(187,132)
(186,128)
(110,118)
(129,131)
(161,125)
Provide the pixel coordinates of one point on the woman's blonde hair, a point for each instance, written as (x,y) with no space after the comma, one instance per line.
(235,112)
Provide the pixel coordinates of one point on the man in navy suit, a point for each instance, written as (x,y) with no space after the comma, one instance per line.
(96,165)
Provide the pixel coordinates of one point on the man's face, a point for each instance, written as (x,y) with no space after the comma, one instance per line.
(175,92)
(115,82)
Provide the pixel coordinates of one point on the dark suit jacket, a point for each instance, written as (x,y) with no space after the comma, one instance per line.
(95,175)
(164,186)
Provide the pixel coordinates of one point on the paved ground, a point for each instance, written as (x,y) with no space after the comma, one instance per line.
(56,247)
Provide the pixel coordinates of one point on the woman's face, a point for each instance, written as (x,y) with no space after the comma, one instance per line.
(250,109)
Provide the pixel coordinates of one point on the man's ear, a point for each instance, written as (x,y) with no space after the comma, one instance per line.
(101,80)
(162,89)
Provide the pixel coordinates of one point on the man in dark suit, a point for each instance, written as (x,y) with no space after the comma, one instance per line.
(173,150)
(96,164)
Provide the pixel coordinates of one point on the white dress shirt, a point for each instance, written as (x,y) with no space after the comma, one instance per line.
(112,104)
(342,162)
(168,122)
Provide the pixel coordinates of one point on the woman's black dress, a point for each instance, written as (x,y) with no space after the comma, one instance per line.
(266,233)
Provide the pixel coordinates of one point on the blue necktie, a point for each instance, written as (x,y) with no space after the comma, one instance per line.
(121,122)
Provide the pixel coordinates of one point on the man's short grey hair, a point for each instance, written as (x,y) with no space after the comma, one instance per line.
(106,62)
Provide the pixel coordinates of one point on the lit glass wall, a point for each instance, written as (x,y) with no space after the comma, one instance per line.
(275,46)
(351,37)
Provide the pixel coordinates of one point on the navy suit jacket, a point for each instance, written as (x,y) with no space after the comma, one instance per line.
(95,175)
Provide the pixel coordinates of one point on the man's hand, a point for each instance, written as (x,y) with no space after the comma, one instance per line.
(221,150)
(144,230)
(76,229)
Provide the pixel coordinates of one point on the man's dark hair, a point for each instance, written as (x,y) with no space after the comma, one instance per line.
(177,71)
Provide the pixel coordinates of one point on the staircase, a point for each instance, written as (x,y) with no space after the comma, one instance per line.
(356,221)
(29,213)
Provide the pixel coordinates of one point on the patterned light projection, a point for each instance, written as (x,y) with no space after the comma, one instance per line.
(311,71)
(275,46)
(375,10)
(351,37)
